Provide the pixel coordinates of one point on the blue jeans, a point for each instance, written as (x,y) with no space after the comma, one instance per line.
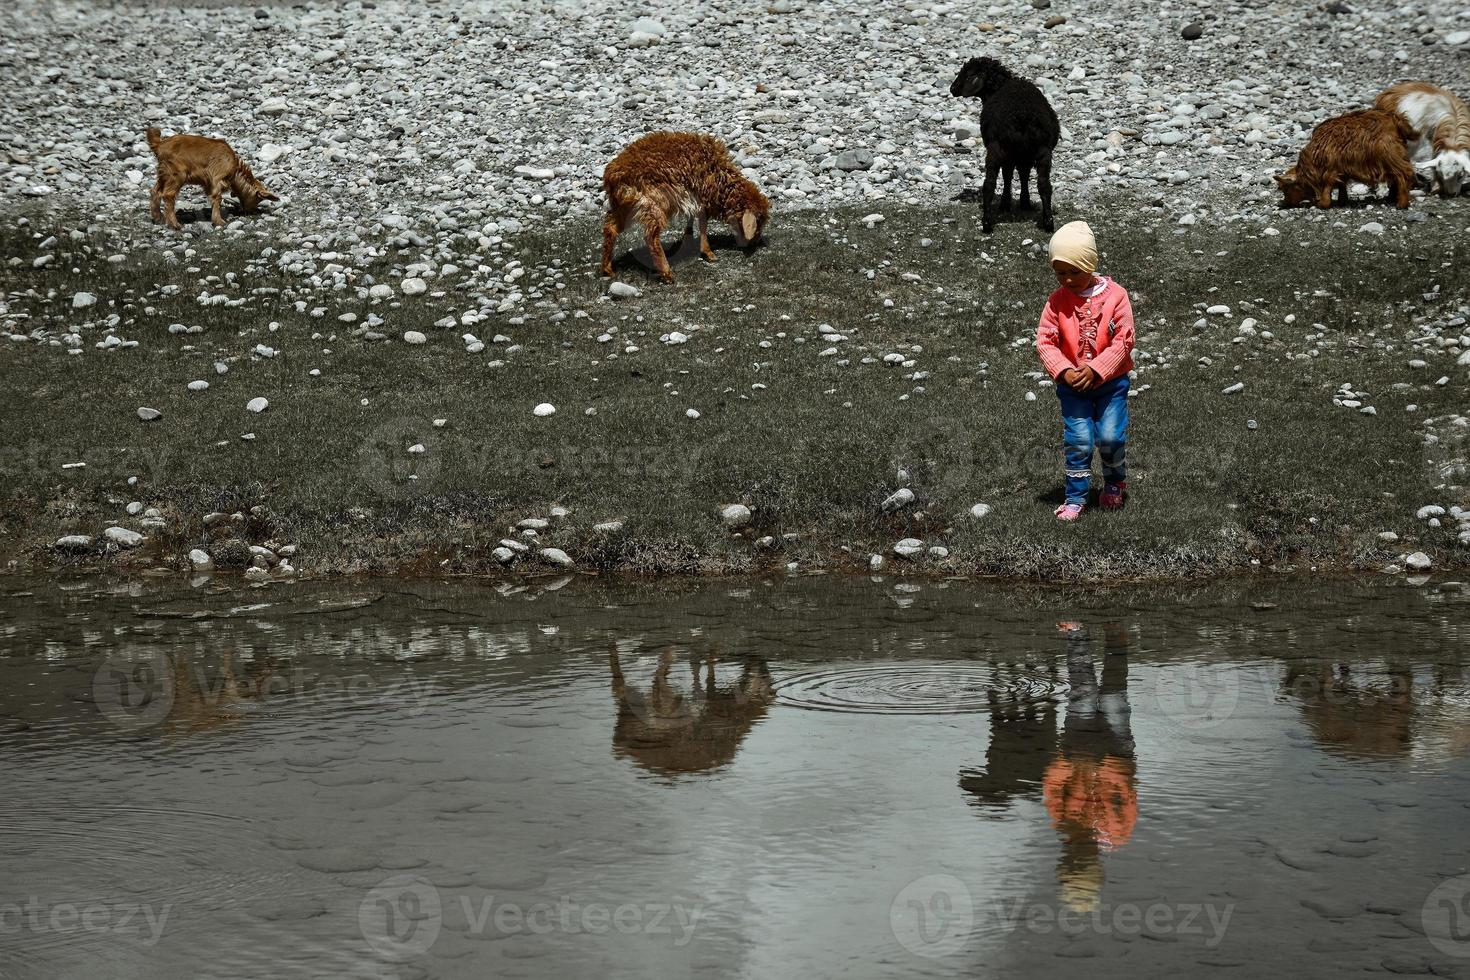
(1095,419)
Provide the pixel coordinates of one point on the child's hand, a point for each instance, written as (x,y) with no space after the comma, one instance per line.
(1070,377)
(1087,379)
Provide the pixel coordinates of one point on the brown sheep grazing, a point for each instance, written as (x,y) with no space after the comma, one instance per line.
(1367,145)
(662,176)
(209,163)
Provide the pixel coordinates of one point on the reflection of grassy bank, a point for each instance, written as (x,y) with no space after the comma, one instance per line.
(812,445)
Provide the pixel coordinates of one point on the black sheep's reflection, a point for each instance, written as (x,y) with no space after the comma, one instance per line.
(1085,774)
(666,731)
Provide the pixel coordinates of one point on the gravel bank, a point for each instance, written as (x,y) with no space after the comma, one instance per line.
(448,123)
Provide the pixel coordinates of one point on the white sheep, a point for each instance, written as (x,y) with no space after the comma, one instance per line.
(1442,120)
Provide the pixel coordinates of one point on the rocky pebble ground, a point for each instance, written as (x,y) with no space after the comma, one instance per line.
(423,139)
(457,122)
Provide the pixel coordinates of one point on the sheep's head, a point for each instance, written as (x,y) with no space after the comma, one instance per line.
(749,217)
(249,190)
(1454,170)
(1293,191)
(980,76)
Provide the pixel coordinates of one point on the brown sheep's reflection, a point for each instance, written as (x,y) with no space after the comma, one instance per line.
(670,732)
(1366,714)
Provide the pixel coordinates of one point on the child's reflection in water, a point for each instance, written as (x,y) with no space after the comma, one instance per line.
(1091,787)
(1086,775)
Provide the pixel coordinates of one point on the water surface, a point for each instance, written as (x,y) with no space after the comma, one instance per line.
(735,779)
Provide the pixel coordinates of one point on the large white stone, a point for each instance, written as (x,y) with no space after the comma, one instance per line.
(123,537)
(735,515)
(557,557)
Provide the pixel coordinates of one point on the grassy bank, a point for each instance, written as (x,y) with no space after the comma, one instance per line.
(811,442)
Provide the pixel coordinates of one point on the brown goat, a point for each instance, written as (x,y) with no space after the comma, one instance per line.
(661,176)
(209,163)
(1367,145)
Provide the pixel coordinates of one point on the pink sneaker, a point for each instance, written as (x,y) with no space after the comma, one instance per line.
(1112,496)
(1068,512)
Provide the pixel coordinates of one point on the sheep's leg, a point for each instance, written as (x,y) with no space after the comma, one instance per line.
(169,196)
(705,252)
(216,199)
(1025,202)
(155,198)
(653,227)
(1005,199)
(1324,196)
(987,193)
(612,226)
(1043,190)
(1399,188)
(1342,194)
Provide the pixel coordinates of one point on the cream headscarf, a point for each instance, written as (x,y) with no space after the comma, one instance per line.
(1073,243)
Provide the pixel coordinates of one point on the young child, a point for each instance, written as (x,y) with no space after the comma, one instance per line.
(1085,341)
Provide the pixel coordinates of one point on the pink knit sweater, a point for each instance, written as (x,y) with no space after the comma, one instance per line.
(1097,330)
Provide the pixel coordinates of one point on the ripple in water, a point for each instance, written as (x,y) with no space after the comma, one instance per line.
(917,689)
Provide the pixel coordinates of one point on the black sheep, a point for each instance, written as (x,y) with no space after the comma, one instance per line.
(1020,131)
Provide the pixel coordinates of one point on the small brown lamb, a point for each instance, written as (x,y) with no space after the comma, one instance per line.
(662,176)
(209,163)
(1367,145)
